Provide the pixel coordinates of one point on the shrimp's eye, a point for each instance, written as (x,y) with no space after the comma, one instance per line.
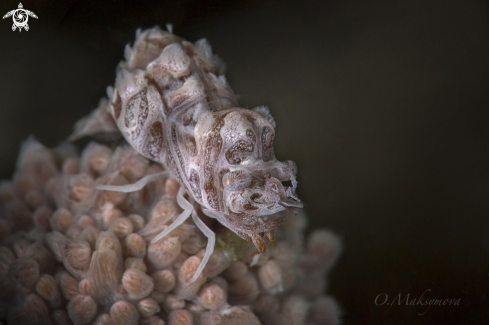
(237,180)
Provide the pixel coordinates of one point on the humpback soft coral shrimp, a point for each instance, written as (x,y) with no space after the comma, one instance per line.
(172,103)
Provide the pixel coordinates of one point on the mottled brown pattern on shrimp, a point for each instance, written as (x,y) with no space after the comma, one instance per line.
(233,155)
(190,144)
(137,106)
(130,113)
(212,148)
(221,174)
(211,192)
(176,147)
(170,162)
(142,116)
(211,154)
(267,137)
(176,103)
(248,206)
(194,182)
(154,141)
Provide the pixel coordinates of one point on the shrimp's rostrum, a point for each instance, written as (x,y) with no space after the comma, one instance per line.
(172,103)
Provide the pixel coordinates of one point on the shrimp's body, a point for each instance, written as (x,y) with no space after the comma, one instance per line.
(172,103)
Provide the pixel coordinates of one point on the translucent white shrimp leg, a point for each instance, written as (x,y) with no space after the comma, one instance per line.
(187,210)
(136,186)
(211,241)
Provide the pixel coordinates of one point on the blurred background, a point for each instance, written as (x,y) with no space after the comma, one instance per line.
(382,104)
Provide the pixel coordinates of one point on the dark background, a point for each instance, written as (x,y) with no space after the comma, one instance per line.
(382,104)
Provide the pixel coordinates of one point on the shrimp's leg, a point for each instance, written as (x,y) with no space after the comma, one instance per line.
(187,210)
(255,259)
(136,186)
(211,241)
